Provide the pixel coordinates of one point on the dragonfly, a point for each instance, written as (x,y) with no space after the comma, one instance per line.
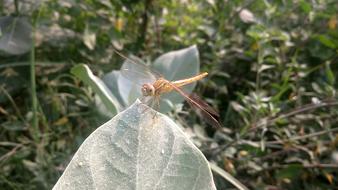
(154,85)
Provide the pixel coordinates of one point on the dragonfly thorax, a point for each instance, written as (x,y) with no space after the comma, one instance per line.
(148,89)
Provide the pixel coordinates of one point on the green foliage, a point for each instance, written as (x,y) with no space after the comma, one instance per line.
(272,68)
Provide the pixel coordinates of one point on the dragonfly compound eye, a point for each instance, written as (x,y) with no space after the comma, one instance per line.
(148,90)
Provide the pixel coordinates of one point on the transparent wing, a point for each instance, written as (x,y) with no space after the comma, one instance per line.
(205,105)
(136,71)
(201,107)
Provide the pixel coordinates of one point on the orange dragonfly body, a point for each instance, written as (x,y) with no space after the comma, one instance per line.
(162,86)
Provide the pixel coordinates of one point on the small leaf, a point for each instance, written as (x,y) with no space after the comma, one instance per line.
(258,32)
(83,72)
(136,150)
(329,177)
(238,107)
(329,74)
(306,7)
(89,39)
(326,41)
(3,111)
(61,121)
(291,171)
(14,126)
(265,67)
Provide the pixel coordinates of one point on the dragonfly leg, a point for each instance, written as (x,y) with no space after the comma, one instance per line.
(143,99)
(156,105)
(148,102)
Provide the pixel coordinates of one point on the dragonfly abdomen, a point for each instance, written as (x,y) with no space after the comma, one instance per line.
(183,82)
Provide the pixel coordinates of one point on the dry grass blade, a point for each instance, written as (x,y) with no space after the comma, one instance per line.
(228,177)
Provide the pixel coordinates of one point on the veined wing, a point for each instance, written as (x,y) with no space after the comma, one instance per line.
(201,107)
(137,72)
(205,105)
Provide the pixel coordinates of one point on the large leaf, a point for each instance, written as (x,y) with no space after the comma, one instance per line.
(137,150)
(178,65)
(110,80)
(15,35)
(83,72)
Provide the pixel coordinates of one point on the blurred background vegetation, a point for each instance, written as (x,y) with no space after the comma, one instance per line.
(272,68)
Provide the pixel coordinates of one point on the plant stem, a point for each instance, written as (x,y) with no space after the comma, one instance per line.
(16,6)
(308,107)
(143,27)
(33,85)
(297,138)
(308,166)
(11,100)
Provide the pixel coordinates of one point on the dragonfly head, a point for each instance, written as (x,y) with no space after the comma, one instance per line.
(148,90)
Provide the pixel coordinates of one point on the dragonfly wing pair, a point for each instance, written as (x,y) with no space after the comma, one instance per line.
(140,74)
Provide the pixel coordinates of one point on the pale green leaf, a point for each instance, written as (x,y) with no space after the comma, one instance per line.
(137,150)
(176,65)
(84,73)
(16,35)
